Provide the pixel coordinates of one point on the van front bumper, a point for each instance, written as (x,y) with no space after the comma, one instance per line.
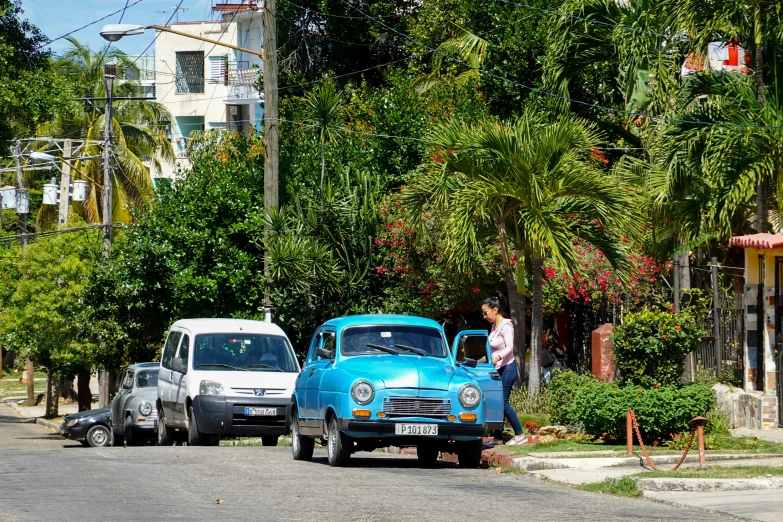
(227,415)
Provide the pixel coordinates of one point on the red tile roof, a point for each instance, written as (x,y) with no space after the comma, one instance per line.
(759,241)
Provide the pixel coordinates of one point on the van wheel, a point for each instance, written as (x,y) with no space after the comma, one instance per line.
(195,437)
(469,454)
(269,440)
(301,446)
(338,446)
(130,437)
(165,434)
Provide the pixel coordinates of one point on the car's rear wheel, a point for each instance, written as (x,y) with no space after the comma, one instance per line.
(301,446)
(338,446)
(165,434)
(427,454)
(469,454)
(99,436)
(130,438)
(269,440)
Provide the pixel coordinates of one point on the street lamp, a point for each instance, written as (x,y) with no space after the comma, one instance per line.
(114,32)
(41,156)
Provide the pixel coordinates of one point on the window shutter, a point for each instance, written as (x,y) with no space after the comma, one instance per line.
(217,69)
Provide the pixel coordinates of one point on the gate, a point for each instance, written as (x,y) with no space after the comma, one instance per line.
(778,344)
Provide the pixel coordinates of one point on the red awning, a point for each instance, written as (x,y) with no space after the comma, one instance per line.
(758,241)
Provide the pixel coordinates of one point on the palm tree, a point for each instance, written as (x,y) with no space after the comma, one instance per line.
(137,126)
(535,184)
(464,46)
(324,113)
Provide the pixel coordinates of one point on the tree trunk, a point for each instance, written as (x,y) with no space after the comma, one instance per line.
(84,395)
(52,394)
(323,166)
(1,349)
(28,368)
(761,189)
(67,391)
(103,388)
(520,347)
(536,327)
(517,319)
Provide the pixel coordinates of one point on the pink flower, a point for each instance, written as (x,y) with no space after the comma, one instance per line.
(587,299)
(379,269)
(550,272)
(378,241)
(389,226)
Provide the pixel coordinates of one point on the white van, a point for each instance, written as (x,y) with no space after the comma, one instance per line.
(225,377)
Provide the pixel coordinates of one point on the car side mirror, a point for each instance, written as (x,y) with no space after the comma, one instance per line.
(326,354)
(178,365)
(470,363)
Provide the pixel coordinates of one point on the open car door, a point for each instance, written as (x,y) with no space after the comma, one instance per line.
(474,344)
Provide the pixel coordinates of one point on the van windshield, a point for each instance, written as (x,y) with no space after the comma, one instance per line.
(243,352)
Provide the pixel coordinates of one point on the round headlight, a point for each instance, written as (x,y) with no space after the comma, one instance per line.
(145,408)
(469,396)
(362,392)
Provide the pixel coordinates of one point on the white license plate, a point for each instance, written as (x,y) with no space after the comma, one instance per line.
(260,412)
(416,429)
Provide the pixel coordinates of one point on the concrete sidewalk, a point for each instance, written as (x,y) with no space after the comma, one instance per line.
(773,435)
(763,505)
(33,412)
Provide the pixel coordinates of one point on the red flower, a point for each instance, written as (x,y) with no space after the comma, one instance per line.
(378,241)
(389,226)
(379,269)
(677,327)
(587,299)
(550,272)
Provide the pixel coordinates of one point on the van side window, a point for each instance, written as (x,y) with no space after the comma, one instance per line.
(184,349)
(170,349)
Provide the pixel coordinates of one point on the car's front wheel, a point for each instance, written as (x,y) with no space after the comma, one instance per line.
(301,446)
(427,454)
(165,434)
(469,454)
(99,436)
(130,436)
(338,446)
(195,437)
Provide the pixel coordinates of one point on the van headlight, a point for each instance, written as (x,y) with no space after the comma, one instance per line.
(145,408)
(362,392)
(210,388)
(469,396)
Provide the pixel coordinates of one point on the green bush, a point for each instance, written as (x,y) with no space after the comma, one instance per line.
(600,408)
(561,391)
(650,347)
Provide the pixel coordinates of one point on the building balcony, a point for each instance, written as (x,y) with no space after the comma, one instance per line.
(241,81)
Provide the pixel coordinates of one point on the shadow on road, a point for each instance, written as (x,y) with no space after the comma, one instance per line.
(366,461)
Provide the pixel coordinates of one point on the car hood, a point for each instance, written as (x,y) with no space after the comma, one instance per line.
(100,412)
(403,371)
(147,393)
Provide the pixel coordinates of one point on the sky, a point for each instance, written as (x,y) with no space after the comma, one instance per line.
(57,17)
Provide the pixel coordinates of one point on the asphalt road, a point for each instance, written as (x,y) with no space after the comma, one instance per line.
(43,477)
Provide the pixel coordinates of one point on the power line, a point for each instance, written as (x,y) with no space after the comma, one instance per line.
(346,74)
(88,25)
(105,51)
(331,15)
(540,91)
(157,33)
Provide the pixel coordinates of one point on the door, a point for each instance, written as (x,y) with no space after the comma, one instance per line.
(118,404)
(474,344)
(166,374)
(315,370)
(777,348)
(179,384)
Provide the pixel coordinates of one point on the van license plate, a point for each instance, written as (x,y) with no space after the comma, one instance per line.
(416,429)
(260,412)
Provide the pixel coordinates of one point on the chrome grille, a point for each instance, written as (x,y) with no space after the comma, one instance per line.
(416,407)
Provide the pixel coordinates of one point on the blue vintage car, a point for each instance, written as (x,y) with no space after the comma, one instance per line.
(372,381)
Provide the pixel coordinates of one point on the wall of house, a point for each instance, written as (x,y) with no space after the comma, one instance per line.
(762,404)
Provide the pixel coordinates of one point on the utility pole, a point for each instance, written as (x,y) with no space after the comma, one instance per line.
(109,73)
(28,364)
(65,184)
(271,123)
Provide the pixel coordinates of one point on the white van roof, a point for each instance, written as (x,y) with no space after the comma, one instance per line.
(205,325)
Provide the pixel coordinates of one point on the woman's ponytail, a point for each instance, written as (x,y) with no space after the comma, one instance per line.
(498,300)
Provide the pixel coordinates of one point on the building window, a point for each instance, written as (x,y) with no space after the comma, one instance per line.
(190,72)
(217,69)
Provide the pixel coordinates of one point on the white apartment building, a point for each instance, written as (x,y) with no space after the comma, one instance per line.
(204,86)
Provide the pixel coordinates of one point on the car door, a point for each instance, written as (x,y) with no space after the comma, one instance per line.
(166,374)
(474,344)
(178,385)
(314,372)
(118,404)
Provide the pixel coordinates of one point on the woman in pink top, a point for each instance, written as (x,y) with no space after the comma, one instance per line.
(501,341)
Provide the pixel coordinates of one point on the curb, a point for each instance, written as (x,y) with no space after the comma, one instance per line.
(15,407)
(535,463)
(697,484)
(48,424)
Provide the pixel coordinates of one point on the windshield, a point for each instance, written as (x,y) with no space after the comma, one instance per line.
(147,378)
(243,352)
(359,340)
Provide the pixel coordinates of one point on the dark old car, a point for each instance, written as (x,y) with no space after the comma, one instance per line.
(91,427)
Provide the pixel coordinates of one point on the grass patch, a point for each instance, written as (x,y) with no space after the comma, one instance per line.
(11,387)
(506,470)
(624,487)
(717,472)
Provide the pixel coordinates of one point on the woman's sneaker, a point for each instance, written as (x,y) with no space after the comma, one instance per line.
(515,441)
(494,442)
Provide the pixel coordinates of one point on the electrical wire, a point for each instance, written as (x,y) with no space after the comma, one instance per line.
(329,15)
(157,33)
(88,25)
(105,51)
